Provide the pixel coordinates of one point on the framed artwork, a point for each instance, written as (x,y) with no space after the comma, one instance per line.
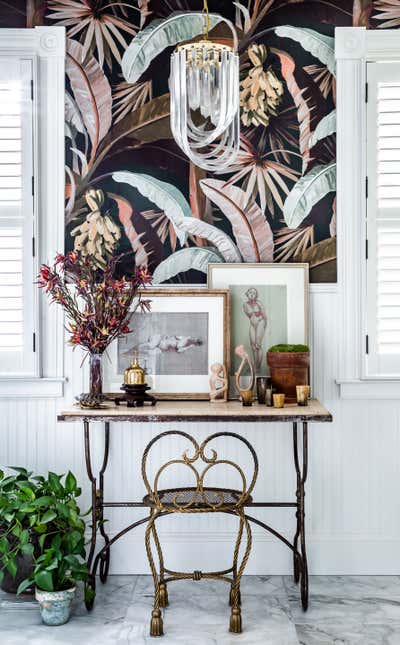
(268,306)
(185,332)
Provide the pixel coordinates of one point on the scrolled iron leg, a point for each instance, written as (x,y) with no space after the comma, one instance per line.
(300,562)
(296,559)
(105,559)
(97,518)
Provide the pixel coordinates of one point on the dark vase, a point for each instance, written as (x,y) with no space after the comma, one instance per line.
(25,565)
(95,376)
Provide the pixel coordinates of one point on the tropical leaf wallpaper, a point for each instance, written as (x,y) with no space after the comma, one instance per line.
(129,188)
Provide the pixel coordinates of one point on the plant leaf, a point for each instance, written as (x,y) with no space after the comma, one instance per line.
(325,127)
(218,238)
(44,580)
(251,229)
(192,257)
(70,482)
(166,196)
(307,192)
(158,35)
(125,214)
(73,115)
(48,517)
(318,45)
(24,585)
(149,123)
(91,90)
(305,100)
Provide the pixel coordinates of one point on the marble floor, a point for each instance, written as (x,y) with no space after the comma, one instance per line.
(344,610)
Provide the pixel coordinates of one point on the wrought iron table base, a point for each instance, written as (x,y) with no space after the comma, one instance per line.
(101,561)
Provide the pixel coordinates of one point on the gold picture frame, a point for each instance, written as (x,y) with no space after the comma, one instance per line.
(204,310)
(282,300)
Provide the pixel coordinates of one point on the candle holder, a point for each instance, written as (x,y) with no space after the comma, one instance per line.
(262,383)
(279,400)
(247,397)
(302,394)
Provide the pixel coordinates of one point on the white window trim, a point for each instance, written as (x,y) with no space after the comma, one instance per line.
(46,46)
(354,47)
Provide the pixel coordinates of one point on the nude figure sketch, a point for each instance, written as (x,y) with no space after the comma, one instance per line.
(160,343)
(255,312)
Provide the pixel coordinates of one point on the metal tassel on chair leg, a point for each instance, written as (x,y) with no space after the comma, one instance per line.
(235,624)
(156,624)
(163,595)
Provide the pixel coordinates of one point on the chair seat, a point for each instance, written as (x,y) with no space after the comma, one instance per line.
(180,497)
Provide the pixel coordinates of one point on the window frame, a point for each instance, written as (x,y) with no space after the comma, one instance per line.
(45,46)
(354,48)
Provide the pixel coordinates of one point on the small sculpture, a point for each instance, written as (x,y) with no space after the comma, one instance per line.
(218,383)
(244,392)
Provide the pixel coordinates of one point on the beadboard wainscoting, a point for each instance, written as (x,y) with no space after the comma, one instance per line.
(352,500)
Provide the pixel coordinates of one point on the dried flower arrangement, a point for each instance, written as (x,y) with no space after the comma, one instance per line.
(98,306)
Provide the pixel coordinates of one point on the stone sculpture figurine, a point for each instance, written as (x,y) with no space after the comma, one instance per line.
(246,394)
(218,383)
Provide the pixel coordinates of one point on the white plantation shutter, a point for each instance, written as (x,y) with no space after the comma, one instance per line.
(383,219)
(17,268)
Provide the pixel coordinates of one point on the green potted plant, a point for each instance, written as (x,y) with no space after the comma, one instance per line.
(21,499)
(61,563)
(289,366)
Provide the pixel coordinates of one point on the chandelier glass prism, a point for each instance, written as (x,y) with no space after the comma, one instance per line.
(204,90)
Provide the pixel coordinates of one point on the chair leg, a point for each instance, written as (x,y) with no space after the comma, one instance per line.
(163,586)
(235,560)
(156,623)
(235,624)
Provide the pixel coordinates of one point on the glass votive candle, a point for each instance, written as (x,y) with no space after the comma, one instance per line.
(268,396)
(302,394)
(279,400)
(246,397)
(262,384)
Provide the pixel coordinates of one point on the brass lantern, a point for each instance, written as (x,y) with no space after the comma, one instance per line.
(134,374)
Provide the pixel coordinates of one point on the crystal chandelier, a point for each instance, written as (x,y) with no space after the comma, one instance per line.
(204,89)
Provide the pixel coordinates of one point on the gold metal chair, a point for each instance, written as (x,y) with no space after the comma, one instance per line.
(197,499)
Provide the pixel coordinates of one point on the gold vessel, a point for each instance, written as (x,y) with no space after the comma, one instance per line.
(134,374)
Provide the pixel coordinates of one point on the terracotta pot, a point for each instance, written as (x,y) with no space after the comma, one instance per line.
(288,369)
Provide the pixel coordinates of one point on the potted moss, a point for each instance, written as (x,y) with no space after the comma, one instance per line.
(289,366)
(61,562)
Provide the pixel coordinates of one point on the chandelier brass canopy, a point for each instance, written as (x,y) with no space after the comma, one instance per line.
(204,89)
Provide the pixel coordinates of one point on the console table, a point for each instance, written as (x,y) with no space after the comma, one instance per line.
(186,411)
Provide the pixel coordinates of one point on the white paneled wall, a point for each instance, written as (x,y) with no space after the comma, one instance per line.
(353,499)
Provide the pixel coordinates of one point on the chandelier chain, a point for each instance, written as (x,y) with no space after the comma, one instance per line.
(206,20)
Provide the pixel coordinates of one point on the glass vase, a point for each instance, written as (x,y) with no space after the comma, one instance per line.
(95,376)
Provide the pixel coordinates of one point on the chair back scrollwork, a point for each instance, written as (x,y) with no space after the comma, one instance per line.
(200,459)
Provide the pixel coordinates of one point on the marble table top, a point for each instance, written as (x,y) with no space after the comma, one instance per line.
(165,411)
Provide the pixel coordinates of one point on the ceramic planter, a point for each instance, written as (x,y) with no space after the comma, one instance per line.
(288,369)
(55,606)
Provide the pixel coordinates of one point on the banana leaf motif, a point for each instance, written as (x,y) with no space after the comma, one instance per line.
(91,90)
(158,35)
(307,192)
(319,45)
(218,238)
(166,196)
(325,127)
(125,213)
(251,229)
(197,258)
